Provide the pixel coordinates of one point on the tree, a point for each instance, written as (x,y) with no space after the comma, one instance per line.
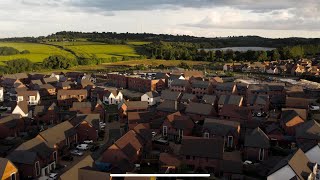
(262,56)
(19,65)
(229,55)
(275,55)
(59,62)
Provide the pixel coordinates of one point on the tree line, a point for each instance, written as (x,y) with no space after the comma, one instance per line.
(7,51)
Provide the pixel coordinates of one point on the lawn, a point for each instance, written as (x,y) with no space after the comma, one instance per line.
(38,52)
(103,51)
(138,43)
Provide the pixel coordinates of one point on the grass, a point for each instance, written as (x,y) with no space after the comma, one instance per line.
(38,52)
(138,43)
(103,51)
(154,62)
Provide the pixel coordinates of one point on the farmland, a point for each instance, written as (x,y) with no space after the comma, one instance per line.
(38,52)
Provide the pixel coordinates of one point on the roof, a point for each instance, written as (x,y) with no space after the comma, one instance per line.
(46,86)
(230,99)
(169,160)
(86,82)
(10,120)
(132,105)
(202,147)
(80,105)
(16,76)
(92,173)
(180,82)
(209,99)
(63,92)
(170,95)
(260,88)
(298,102)
(298,162)
(199,108)
(174,76)
(130,143)
(235,112)
(258,99)
(257,138)
(220,127)
(301,112)
(140,117)
(58,133)
(188,97)
(3,165)
(39,110)
(169,106)
(288,115)
(72,173)
(180,121)
(50,80)
(23,105)
(308,130)
(153,94)
(92,119)
(225,86)
(144,131)
(36,82)
(200,84)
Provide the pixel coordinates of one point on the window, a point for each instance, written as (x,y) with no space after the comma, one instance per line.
(13,176)
(165,131)
(55,156)
(187,157)
(37,168)
(230,141)
(20,98)
(261,154)
(180,133)
(206,135)
(67,141)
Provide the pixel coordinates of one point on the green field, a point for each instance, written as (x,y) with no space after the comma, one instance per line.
(38,52)
(138,43)
(103,51)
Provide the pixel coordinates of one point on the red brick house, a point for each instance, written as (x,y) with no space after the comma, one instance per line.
(201,88)
(235,113)
(187,98)
(228,130)
(308,133)
(34,158)
(8,171)
(202,153)
(274,132)
(87,126)
(131,106)
(210,99)
(200,111)
(81,107)
(256,145)
(48,115)
(225,89)
(10,126)
(234,100)
(258,103)
(180,85)
(129,147)
(117,80)
(177,125)
(145,84)
(289,120)
(67,97)
(60,137)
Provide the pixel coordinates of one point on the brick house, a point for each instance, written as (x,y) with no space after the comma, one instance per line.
(32,97)
(174,77)
(202,153)
(67,97)
(233,100)
(258,103)
(168,107)
(8,171)
(209,99)
(81,107)
(34,158)
(200,111)
(117,80)
(234,113)
(180,85)
(225,89)
(145,84)
(256,145)
(48,115)
(10,126)
(87,126)
(201,88)
(177,125)
(308,133)
(131,106)
(229,131)
(60,136)
(289,120)
(187,98)
(152,97)
(170,95)
(22,109)
(135,118)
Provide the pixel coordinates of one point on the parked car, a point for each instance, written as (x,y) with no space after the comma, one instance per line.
(67,158)
(94,148)
(88,141)
(154,134)
(76,152)
(83,147)
(102,124)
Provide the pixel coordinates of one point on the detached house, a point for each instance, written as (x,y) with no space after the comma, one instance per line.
(256,145)
(31,97)
(67,97)
(10,126)
(229,131)
(199,111)
(289,120)
(22,109)
(46,114)
(8,171)
(113,97)
(177,125)
(131,106)
(60,136)
(34,158)
(308,133)
(258,103)
(152,97)
(87,126)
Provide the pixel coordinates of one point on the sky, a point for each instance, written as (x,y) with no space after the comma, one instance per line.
(205,18)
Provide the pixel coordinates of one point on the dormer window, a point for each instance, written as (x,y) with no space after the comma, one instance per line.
(20,98)
(206,135)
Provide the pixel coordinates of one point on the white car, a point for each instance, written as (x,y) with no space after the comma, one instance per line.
(83,147)
(247,162)
(154,134)
(76,152)
(88,141)
(102,124)
(53,176)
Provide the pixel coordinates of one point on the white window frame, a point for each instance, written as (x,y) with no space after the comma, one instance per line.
(180,132)
(165,130)
(206,135)
(20,98)
(55,156)
(67,141)
(37,168)
(261,150)
(15,176)
(228,142)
